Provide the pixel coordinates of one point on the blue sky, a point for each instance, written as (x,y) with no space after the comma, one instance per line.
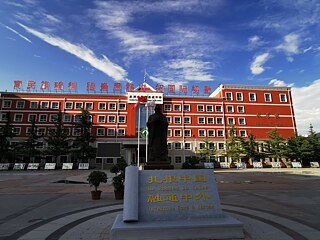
(187,42)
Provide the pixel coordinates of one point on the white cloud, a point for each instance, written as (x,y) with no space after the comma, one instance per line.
(254,39)
(290,59)
(280,71)
(103,64)
(290,45)
(20,35)
(280,83)
(256,66)
(306,101)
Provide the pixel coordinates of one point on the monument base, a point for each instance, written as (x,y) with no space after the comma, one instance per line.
(222,227)
(158,166)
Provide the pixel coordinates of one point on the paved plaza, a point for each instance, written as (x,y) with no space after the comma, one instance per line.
(272,203)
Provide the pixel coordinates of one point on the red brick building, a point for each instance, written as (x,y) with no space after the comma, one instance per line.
(192,119)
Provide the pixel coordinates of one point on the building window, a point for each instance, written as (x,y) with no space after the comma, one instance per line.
(4,117)
(252,97)
(210,120)
(112,106)
(89,106)
(283,98)
(20,104)
(219,120)
(6,104)
(202,133)
(77,118)
(220,133)
(76,132)
(177,120)
(177,159)
(239,96)
(67,118)
(121,119)
(220,146)
(55,105)
(187,133)
(41,131)
(200,108)
(122,106)
(218,108)
(231,121)
(177,107)
(53,118)
(177,146)
(34,105)
(32,117)
(167,107)
(111,119)
(187,120)
(240,109)
(177,133)
(44,105)
(229,108)
(211,133)
(267,97)
(243,133)
(169,120)
(17,118)
(121,132)
(242,121)
(229,96)
(28,130)
(102,106)
(169,145)
(187,146)
(78,105)
(101,119)
(110,132)
(186,108)
(16,130)
(69,105)
(202,146)
(43,117)
(201,120)
(209,108)
(169,132)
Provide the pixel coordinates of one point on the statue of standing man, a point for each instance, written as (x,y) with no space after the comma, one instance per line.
(157,138)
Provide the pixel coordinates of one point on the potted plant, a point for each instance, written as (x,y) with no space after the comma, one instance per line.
(118,180)
(95,178)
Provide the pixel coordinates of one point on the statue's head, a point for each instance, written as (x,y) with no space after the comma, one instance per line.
(157,109)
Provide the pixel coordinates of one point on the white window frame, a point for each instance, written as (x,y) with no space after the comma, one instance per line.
(177,120)
(231,119)
(52,116)
(186,147)
(29,117)
(16,116)
(221,145)
(102,117)
(230,97)
(187,132)
(186,107)
(254,95)
(239,96)
(102,106)
(34,102)
(243,133)
(66,116)
(89,103)
(19,102)
(68,105)
(266,96)
(218,120)
(44,105)
(176,131)
(121,132)
(111,129)
(230,108)
(16,130)
(242,121)
(124,119)
(169,119)
(122,106)
(200,108)
(185,121)
(239,109)
(285,97)
(177,107)
(77,107)
(45,116)
(167,107)
(112,106)
(112,116)
(77,118)
(201,133)
(211,133)
(55,103)
(209,120)
(209,108)
(220,133)
(41,131)
(4,117)
(169,145)
(177,146)
(7,104)
(218,108)
(200,120)
(169,132)
(176,159)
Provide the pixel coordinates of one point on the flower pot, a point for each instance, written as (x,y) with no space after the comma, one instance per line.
(95,195)
(118,195)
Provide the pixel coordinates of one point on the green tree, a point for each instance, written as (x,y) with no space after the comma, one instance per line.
(29,147)
(275,144)
(294,147)
(83,141)
(5,135)
(233,146)
(250,148)
(310,149)
(208,149)
(57,139)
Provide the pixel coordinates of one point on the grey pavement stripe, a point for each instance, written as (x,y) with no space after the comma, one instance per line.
(28,209)
(61,231)
(30,228)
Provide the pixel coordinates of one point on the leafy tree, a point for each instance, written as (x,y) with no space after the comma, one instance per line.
(250,148)
(5,135)
(191,164)
(294,148)
(233,148)
(310,149)
(207,150)
(29,147)
(57,139)
(275,144)
(85,139)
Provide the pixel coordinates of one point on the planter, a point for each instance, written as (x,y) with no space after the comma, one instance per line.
(118,195)
(95,195)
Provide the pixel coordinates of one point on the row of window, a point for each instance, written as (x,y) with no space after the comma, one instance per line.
(253,97)
(68,105)
(201,133)
(206,120)
(41,131)
(203,108)
(67,118)
(188,146)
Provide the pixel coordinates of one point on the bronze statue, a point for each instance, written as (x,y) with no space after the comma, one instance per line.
(157,139)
